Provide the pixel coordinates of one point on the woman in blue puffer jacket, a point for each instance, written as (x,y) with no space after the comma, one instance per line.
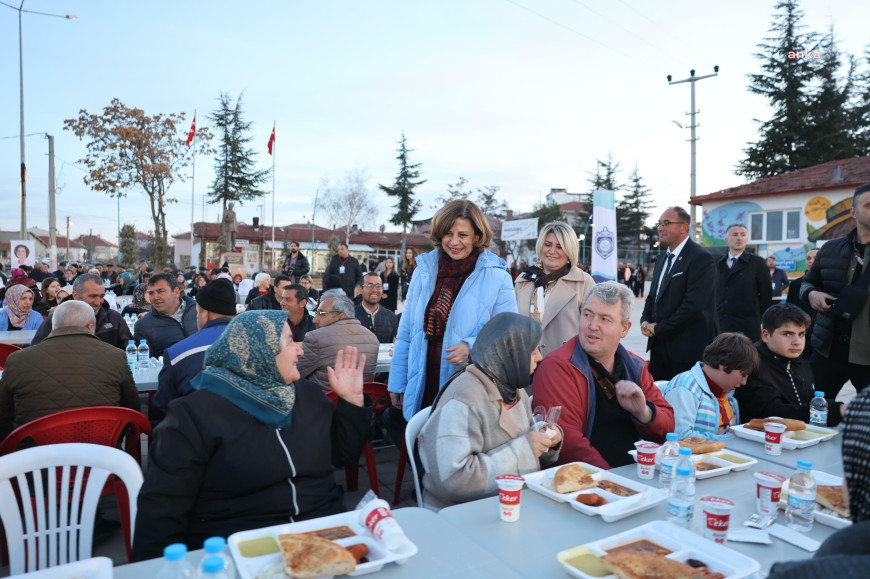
(455,291)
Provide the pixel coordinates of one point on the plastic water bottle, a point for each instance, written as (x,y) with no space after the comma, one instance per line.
(131,355)
(213,568)
(175,565)
(670,454)
(681,497)
(685,459)
(217,547)
(819,410)
(143,355)
(801,498)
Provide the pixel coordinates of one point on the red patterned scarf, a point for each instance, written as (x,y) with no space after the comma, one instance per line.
(451,275)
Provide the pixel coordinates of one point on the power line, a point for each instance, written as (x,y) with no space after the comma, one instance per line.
(633,58)
(657,25)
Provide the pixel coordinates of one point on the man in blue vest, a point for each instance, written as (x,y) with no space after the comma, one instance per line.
(215,307)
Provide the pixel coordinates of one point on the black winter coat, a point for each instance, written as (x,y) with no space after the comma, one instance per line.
(111,328)
(162,331)
(742,294)
(266,301)
(783,387)
(828,274)
(299,269)
(351,276)
(215,469)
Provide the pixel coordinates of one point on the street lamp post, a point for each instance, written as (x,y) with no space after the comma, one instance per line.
(118,189)
(23,185)
(583,237)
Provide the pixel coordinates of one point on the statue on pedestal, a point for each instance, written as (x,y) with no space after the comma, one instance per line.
(228,229)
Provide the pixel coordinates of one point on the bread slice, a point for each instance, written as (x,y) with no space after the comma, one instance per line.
(639,565)
(832,497)
(572,477)
(307,556)
(791,424)
(701,446)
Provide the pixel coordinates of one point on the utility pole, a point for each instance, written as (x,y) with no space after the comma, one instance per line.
(52,226)
(693,233)
(67,237)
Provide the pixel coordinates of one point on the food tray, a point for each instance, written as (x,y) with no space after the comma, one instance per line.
(790,440)
(616,508)
(93,568)
(821,514)
(250,567)
(717,457)
(682,543)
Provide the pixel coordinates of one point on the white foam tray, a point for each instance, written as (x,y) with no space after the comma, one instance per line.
(789,442)
(725,466)
(821,514)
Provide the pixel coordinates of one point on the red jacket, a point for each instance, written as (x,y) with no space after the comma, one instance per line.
(562,379)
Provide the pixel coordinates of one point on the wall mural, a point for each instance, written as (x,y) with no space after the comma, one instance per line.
(836,219)
(716,222)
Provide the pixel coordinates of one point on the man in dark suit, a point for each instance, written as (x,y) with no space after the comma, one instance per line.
(346,268)
(679,316)
(743,289)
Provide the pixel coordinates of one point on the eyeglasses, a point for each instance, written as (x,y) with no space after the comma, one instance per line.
(325,312)
(373,285)
(666,223)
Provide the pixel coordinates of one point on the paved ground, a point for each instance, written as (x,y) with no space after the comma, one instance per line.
(387,456)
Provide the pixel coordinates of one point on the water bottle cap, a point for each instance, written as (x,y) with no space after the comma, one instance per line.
(213,564)
(685,451)
(820,394)
(214,545)
(805,465)
(143,342)
(683,471)
(131,342)
(672,436)
(175,552)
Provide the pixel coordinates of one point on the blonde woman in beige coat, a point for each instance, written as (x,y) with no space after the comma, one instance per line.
(553,290)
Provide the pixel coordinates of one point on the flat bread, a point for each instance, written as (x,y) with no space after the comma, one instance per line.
(307,556)
(700,445)
(791,424)
(640,565)
(572,477)
(832,497)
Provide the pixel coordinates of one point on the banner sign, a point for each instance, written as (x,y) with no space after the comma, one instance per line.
(519,229)
(604,264)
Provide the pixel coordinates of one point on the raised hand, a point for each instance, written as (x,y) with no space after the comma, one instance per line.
(346,380)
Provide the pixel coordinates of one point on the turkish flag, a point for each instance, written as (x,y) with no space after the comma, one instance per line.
(192,131)
(271,140)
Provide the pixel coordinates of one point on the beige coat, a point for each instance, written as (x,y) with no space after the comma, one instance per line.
(561,320)
(320,346)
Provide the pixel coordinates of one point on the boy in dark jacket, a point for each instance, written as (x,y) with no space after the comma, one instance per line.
(784,385)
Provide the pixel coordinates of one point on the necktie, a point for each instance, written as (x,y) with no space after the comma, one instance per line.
(731,261)
(665,271)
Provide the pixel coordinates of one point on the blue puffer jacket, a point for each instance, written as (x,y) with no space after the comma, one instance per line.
(487,291)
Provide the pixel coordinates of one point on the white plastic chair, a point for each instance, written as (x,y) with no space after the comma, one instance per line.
(415,425)
(58,525)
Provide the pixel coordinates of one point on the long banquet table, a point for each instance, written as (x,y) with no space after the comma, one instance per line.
(826,456)
(17,338)
(546,527)
(444,552)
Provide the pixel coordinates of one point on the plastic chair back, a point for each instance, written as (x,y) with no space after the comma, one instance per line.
(415,425)
(5,350)
(377,391)
(48,505)
(662,384)
(102,425)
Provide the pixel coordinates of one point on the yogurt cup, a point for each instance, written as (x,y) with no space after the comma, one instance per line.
(646,459)
(717,517)
(768,489)
(510,487)
(773,438)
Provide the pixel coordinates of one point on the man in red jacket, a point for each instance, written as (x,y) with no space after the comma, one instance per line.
(608,397)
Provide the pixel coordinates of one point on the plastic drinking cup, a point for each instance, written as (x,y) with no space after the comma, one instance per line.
(646,459)
(717,517)
(768,489)
(510,487)
(773,438)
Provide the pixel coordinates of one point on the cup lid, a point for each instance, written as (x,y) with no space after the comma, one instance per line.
(775,426)
(770,475)
(717,503)
(510,477)
(646,445)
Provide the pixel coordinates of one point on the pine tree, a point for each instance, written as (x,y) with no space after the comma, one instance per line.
(859,108)
(403,190)
(830,133)
(604,177)
(235,177)
(128,246)
(784,143)
(633,210)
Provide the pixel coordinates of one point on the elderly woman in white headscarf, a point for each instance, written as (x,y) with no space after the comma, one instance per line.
(481,424)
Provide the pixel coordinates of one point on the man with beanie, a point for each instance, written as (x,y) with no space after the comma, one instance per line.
(215,307)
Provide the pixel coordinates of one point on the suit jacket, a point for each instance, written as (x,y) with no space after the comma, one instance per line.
(320,346)
(683,309)
(561,320)
(742,294)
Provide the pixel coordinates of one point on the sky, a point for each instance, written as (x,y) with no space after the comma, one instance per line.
(520,94)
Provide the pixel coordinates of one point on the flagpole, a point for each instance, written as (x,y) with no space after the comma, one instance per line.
(193,195)
(273,194)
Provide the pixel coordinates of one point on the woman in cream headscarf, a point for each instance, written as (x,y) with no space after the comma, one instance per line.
(254,445)
(481,421)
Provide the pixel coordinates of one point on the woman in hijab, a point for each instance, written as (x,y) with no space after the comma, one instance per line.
(138,305)
(17,313)
(481,424)
(846,553)
(253,445)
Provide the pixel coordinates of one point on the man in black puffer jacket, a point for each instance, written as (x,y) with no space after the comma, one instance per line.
(171,319)
(842,347)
